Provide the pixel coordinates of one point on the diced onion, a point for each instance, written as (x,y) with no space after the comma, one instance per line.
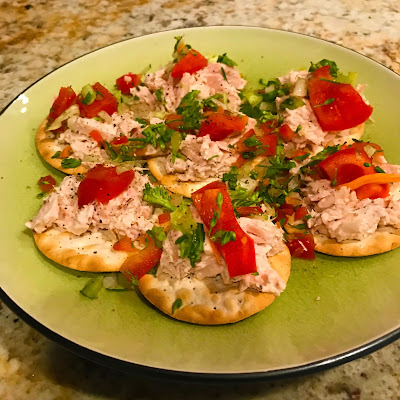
(300,88)
(369,150)
(72,111)
(105,116)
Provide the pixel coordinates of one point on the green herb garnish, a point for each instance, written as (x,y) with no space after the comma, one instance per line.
(158,234)
(157,195)
(224,74)
(92,287)
(291,103)
(70,163)
(176,305)
(56,154)
(191,245)
(224,59)
(325,103)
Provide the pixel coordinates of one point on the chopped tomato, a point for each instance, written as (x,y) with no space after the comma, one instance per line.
(245,211)
(174,121)
(105,101)
(301,245)
(373,191)
(66,97)
(239,254)
(65,152)
(119,140)
(46,183)
(346,165)
(139,264)
(166,217)
(286,132)
(337,106)
(221,125)
(128,81)
(300,213)
(102,184)
(299,153)
(124,244)
(190,63)
(269,126)
(96,136)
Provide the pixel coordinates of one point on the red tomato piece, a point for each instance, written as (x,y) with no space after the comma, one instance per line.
(96,136)
(346,165)
(245,211)
(220,125)
(269,143)
(166,217)
(344,108)
(286,132)
(301,245)
(120,140)
(128,81)
(373,191)
(105,101)
(190,63)
(46,183)
(66,97)
(65,152)
(139,264)
(124,244)
(102,184)
(300,213)
(269,126)
(239,255)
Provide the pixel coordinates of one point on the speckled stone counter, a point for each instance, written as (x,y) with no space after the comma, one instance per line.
(37,37)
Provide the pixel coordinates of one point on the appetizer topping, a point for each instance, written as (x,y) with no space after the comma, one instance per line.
(192,62)
(66,97)
(216,211)
(301,245)
(128,81)
(102,184)
(337,106)
(46,183)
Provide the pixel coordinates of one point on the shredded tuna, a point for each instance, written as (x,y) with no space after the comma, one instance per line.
(268,241)
(339,215)
(204,159)
(127,214)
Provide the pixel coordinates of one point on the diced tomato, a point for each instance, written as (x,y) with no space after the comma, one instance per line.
(220,125)
(245,211)
(288,209)
(119,140)
(124,244)
(239,255)
(166,217)
(128,81)
(96,136)
(105,101)
(65,152)
(102,184)
(373,191)
(66,97)
(346,165)
(139,264)
(301,245)
(190,63)
(174,121)
(269,143)
(300,213)
(269,126)
(345,107)
(286,132)
(46,183)
(299,153)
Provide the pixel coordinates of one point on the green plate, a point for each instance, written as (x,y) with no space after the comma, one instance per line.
(333,310)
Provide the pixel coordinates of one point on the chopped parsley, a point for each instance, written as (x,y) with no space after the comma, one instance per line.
(176,305)
(291,103)
(223,237)
(224,74)
(191,244)
(112,153)
(333,67)
(70,163)
(190,109)
(158,234)
(56,154)
(155,135)
(219,200)
(231,178)
(224,59)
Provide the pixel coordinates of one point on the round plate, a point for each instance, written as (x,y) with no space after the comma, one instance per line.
(333,310)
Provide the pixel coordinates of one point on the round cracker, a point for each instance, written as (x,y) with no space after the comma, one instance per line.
(172,182)
(376,243)
(202,304)
(47,147)
(91,252)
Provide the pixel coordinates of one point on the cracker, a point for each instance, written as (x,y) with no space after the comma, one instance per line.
(204,302)
(90,252)
(47,147)
(376,243)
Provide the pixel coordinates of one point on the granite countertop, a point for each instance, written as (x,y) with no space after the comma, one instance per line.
(38,36)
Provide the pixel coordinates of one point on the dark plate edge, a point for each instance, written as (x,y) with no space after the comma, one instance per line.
(127,367)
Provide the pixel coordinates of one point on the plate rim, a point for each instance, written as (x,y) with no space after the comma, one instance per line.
(169,374)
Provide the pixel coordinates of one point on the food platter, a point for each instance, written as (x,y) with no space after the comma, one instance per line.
(333,310)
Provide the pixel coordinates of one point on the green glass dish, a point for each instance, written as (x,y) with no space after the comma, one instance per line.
(333,310)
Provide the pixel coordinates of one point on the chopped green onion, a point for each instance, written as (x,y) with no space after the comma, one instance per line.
(379,170)
(177,304)
(224,74)
(291,103)
(93,287)
(56,154)
(226,60)
(326,102)
(70,163)
(88,95)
